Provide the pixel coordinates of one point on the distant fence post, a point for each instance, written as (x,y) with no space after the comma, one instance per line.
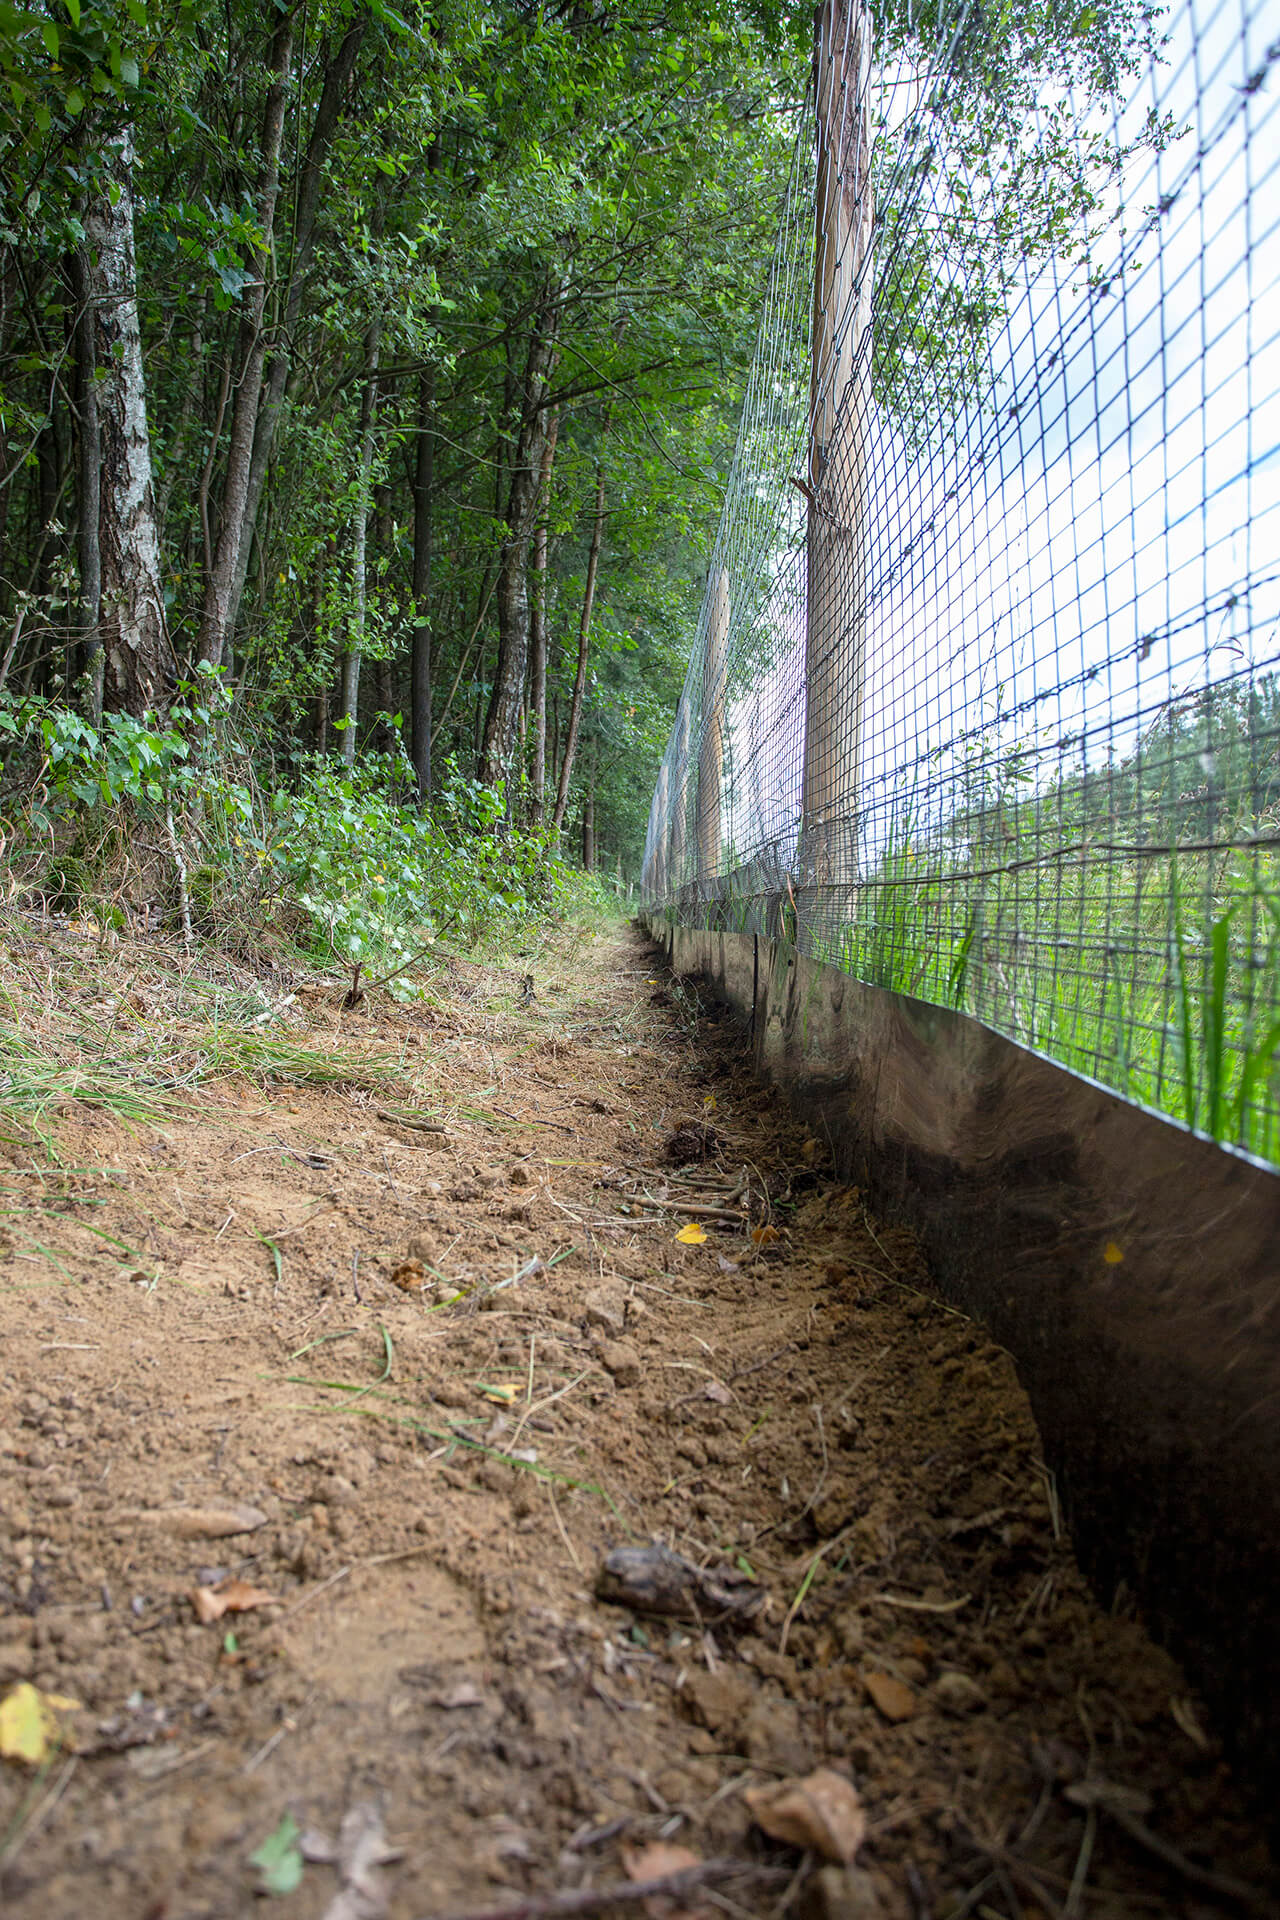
(838,478)
(711,749)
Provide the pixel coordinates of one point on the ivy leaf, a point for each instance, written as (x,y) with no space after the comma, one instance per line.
(279,1858)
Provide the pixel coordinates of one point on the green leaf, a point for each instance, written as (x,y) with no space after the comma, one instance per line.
(279,1858)
(49,34)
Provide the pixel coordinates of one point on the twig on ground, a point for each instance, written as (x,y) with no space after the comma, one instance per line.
(550,1906)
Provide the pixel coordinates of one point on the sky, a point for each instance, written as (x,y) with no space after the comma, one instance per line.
(1098,536)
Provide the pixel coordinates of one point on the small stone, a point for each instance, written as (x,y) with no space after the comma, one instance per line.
(606,1307)
(449,1393)
(841,1893)
(850,1631)
(894,1698)
(622,1360)
(718,1700)
(61,1497)
(956,1693)
(830,1512)
(338,1491)
(774,1735)
(520,1175)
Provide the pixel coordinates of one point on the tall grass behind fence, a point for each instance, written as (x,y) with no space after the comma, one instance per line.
(983,704)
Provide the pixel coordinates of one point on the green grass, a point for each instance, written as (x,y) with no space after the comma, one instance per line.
(1161,980)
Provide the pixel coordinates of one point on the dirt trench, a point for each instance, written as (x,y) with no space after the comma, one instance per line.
(452,1371)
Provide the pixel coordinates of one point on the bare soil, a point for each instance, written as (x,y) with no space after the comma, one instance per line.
(252,1303)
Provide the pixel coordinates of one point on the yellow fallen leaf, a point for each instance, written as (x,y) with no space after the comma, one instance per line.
(1112,1254)
(693,1235)
(708,1103)
(29,1725)
(764,1236)
(505,1393)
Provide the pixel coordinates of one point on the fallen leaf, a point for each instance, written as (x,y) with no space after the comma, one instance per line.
(29,1725)
(410,1276)
(822,1812)
(720,1394)
(893,1697)
(692,1235)
(657,1861)
(763,1236)
(504,1394)
(362,1848)
(201,1523)
(1112,1254)
(279,1859)
(233,1596)
(726,1266)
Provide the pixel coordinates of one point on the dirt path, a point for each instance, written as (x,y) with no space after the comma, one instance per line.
(249,1306)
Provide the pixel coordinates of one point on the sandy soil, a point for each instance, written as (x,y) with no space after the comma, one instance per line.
(284,1298)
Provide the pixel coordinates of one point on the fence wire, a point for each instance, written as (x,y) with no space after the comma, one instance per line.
(982,704)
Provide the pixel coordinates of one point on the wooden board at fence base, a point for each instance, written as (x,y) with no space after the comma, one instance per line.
(1130,1267)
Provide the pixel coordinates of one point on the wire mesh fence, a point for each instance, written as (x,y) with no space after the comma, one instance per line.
(983,702)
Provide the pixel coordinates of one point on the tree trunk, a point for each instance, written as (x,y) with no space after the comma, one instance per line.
(538,625)
(336,80)
(839,431)
(584,636)
(589,820)
(235,522)
(138,664)
(513,568)
(420,665)
(359,545)
(88,653)
(711,750)
(173,460)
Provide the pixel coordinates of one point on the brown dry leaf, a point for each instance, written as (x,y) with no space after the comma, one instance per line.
(893,1697)
(233,1596)
(655,1862)
(410,1276)
(764,1236)
(822,1812)
(693,1235)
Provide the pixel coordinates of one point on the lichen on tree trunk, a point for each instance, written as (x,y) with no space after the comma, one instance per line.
(138,663)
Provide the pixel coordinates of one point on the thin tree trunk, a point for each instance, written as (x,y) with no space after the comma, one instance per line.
(589,820)
(538,625)
(171,464)
(235,522)
(359,545)
(88,654)
(840,419)
(138,664)
(336,81)
(420,666)
(513,568)
(584,637)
